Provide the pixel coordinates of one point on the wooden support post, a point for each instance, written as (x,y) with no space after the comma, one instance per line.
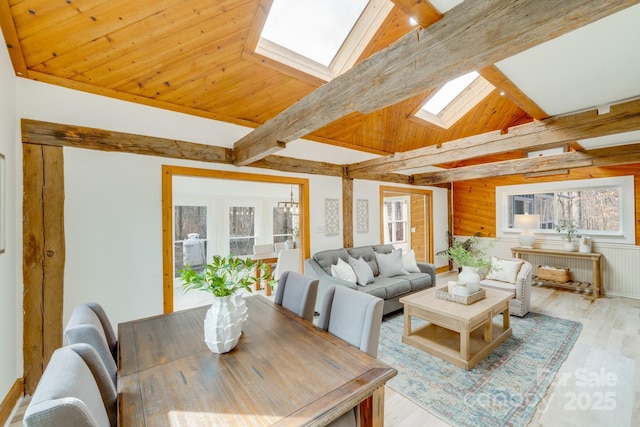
(347,212)
(43,258)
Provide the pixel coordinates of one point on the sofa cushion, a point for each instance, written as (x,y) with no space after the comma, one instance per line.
(344,271)
(375,290)
(384,249)
(367,253)
(363,272)
(504,270)
(418,280)
(393,286)
(409,262)
(390,265)
(328,258)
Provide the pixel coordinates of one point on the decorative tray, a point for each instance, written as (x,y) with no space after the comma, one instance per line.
(443,293)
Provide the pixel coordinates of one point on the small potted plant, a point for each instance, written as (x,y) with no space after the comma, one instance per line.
(472,260)
(570,230)
(224,277)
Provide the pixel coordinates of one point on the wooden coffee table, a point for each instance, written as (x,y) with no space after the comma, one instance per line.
(460,334)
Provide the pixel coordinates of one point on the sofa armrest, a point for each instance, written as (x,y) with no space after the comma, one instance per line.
(430,269)
(313,269)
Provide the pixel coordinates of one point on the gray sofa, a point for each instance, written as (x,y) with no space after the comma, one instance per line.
(390,289)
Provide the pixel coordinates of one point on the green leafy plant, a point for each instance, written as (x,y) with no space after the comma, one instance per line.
(569,228)
(225,276)
(466,254)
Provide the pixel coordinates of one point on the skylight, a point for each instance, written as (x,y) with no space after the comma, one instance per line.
(314,29)
(320,38)
(448,93)
(454,100)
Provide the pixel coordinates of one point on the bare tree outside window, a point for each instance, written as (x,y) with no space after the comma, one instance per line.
(285,223)
(242,230)
(187,220)
(593,210)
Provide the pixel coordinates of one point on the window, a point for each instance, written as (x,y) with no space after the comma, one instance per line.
(597,206)
(190,237)
(285,224)
(454,100)
(395,220)
(242,230)
(321,38)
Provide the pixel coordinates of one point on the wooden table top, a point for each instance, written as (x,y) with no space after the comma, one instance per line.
(426,300)
(284,371)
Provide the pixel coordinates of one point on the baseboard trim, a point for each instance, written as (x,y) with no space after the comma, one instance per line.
(443,269)
(11,400)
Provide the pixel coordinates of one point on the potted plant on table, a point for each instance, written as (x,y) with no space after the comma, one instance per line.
(570,230)
(471,259)
(224,277)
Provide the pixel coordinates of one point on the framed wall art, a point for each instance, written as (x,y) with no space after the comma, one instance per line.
(331,217)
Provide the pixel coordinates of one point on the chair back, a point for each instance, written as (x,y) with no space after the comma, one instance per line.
(352,316)
(288,260)
(89,324)
(263,249)
(74,390)
(297,293)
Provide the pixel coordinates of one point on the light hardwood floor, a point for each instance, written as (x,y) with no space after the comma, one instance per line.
(598,385)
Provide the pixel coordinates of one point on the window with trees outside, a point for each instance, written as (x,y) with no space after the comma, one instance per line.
(395,220)
(190,237)
(242,230)
(597,206)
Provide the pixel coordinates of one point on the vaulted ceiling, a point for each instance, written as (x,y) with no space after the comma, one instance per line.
(197,57)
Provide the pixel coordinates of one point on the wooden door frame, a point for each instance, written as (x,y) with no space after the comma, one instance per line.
(168,172)
(410,191)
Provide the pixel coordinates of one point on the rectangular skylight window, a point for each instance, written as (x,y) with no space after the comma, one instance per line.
(448,93)
(312,28)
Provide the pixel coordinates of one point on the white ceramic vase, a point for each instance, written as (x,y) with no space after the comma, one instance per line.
(224,322)
(470,276)
(570,246)
(585,244)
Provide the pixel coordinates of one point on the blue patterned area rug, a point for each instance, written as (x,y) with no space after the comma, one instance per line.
(503,389)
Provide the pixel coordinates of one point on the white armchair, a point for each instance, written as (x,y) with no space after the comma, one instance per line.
(511,275)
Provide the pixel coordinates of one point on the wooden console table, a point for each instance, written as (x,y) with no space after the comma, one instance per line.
(593,256)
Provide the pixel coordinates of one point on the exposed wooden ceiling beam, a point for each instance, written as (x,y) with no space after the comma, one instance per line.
(61,135)
(493,75)
(553,131)
(471,36)
(626,154)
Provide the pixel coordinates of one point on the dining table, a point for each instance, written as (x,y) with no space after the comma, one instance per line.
(269,259)
(283,372)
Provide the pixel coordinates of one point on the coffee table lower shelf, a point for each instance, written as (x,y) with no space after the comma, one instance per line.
(445,344)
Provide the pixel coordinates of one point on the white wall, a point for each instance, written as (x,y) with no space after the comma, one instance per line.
(113,200)
(10,273)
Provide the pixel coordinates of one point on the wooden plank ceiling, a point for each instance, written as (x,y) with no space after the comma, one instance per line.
(188,56)
(196,57)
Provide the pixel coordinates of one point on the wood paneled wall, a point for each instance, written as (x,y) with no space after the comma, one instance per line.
(474,201)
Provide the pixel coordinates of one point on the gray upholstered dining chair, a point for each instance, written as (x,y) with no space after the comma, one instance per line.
(297,293)
(89,324)
(74,390)
(353,316)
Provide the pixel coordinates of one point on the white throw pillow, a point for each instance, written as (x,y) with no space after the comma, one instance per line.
(343,271)
(390,264)
(504,270)
(409,262)
(363,271)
